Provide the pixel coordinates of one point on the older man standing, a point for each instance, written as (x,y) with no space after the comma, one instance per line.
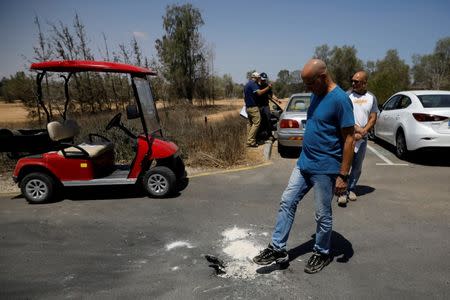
(365,109)
(251,91)
(324,164)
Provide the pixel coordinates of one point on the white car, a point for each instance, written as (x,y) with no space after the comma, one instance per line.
(292,123)
(412,120)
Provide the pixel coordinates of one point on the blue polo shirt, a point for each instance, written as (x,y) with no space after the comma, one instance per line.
(250,93)
(322,141)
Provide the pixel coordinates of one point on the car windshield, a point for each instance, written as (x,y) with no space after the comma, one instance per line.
(435,100)
(298,104)
(148,104)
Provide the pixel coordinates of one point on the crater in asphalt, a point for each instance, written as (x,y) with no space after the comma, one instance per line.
(239,247)
(216,263)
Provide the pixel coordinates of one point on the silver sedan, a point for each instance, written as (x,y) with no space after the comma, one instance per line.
(291,126)
(412,120)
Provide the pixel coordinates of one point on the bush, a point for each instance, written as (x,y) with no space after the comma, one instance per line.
(214,143)
(211,143)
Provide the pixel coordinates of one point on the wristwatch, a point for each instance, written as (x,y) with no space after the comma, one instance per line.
(343,177)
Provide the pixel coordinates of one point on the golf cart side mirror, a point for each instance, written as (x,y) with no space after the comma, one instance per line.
(132,112)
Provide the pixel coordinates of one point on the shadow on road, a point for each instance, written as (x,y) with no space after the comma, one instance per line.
(342,251)
(363,190)
(103,193)
(107,193)
(431,157)
(290,152)
(100,193)
(426,157)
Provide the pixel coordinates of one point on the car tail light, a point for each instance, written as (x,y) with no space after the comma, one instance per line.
(288,123)
(428,117)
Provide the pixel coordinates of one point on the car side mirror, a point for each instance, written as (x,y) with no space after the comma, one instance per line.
(132,112)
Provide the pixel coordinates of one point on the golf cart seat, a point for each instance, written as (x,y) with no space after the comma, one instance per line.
(25,141)
(65,132)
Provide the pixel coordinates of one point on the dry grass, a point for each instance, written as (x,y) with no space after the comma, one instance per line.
(209,136)
(13,113)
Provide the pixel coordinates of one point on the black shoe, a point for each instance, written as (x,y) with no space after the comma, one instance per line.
(270,255)
(317,262)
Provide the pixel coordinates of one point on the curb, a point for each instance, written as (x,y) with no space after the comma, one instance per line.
(10,194)
(267,150)
(231,171)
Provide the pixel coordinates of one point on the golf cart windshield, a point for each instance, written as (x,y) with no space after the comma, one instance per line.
(148,106)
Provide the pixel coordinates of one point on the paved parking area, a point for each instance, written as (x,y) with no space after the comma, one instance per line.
(106,244)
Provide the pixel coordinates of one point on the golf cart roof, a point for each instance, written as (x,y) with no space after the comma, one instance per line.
(89,65)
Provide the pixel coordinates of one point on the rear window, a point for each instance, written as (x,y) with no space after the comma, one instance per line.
(298,104)
(435,100)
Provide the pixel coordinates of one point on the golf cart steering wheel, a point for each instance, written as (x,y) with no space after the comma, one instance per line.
(115,121)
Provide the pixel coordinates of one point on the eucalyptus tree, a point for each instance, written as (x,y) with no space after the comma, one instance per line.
(181,49)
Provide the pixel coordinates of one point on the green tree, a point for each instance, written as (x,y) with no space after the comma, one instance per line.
(432,71)
(2,84)
(229,87)
(181,50)
(19,87)
(343,63)
(391,75)
(281,85)
(323,52)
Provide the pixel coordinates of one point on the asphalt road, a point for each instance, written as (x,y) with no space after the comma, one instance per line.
(393,243)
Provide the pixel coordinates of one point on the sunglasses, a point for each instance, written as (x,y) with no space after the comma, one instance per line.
(356,81)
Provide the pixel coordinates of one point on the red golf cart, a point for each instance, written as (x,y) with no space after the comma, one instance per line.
(54,161)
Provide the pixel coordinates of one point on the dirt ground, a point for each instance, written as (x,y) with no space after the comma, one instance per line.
(12,112)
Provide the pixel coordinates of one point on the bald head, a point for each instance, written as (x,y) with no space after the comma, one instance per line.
(359,82)
(314,68)
(360,75)
(316,78)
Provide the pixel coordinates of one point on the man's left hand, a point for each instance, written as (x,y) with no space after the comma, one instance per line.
(340,187)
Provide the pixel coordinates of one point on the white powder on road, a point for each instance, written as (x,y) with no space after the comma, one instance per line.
(240,251)
(235,233)
(178,244)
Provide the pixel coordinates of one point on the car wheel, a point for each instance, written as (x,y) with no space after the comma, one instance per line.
(371,135)
(400,145)
(159,182)
(282,149)
(38,188)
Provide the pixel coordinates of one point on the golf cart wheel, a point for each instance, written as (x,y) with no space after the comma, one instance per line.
(159,182)
(38,188)
(400,146)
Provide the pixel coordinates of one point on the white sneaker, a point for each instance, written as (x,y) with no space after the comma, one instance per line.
(342,200)
(352,196)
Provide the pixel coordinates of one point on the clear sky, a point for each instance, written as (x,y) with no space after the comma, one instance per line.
(263,35)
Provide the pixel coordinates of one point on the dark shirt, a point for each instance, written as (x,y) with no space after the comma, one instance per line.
(263,100)
(250,93)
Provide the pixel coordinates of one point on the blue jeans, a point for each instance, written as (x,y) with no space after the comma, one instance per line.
(357,164)
(299,184)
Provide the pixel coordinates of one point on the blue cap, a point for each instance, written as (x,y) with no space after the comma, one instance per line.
(264,76)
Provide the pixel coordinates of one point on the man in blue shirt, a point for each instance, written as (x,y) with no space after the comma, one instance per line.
(251,91)
(324,164)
